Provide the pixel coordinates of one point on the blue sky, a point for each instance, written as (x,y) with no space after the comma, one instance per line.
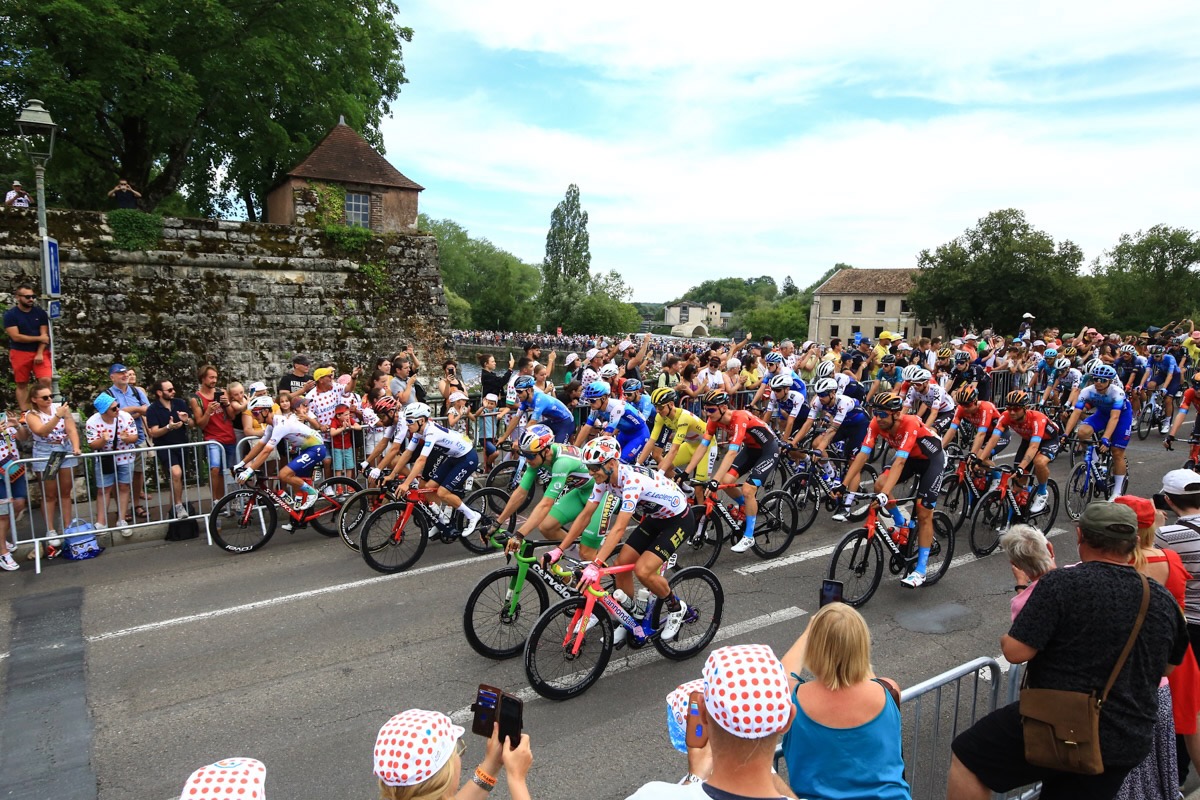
(780,138)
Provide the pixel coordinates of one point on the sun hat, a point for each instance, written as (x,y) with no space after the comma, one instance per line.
(746,691)
(456,396)
(104,402)
(241,778)
(322,372)
(571,359)
(1111,520)
(1142,506)
(413,745)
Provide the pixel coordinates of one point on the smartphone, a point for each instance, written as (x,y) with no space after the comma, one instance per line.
(486,708)
(512,712)
(831,592)
(695,734)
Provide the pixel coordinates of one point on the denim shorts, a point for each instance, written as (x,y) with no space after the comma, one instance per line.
(19,486)
(124,474)
(42,451)
(221,456)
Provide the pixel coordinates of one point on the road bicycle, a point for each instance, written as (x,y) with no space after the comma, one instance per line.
(395,535)
(858,558)
(244,520)
(354,513)
(719,523)
(812,482)
(571,643)
(1193,459)
(1091,479)
(964,438)
(1152,415)
(964,486)
(1008,505)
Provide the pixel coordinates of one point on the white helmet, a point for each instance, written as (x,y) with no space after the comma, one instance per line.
(414,411)
(1062,363)
(781,382)
(1087,370)
(919,375)
(260,402)
(825,369)
(824,385)
(609,371)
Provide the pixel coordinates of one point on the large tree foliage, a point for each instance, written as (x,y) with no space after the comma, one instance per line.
(1151,277)
(997,271)
(492,288)
(566,268)
(734,293)
(786,318)
(214,97)
(605,308)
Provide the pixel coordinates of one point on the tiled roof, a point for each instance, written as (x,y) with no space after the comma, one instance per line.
(869,281)
(345,157)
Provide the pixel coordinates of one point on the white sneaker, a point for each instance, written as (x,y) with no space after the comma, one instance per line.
(743,544)
(592,622)
(305,501)
(329,491)
(674,621)
(180,511)
(472,521)
(7,563)
(126,532)
(1039,503)
(913,579)
(54,541)
(1166,427)
(841,516)
(288,526)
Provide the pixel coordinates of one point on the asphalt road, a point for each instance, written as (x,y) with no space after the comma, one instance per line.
(297,654)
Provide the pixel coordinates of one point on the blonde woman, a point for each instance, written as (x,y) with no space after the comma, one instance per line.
(844,743)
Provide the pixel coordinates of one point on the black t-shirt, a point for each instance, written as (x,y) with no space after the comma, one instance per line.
(125,198)
(27,322)
(1078,619)
(157,416)
(291,383)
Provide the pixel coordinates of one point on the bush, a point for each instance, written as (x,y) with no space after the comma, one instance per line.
(135,230)
(349,239)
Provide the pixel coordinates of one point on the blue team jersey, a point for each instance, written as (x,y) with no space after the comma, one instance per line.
(1167,365)
(1128,370)
(618,416)
(543,406)
(1106,401)
(644,406)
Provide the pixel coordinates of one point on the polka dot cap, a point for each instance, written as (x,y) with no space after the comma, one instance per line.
(677,700)
(228,779)
(746,690)
(413,745)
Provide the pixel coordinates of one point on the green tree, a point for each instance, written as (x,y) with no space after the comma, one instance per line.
(566,268)
(789,287)
(784,319)
(605,308)
(214,98)
(998,270)
(733,293)
(1150,277)
(460,311)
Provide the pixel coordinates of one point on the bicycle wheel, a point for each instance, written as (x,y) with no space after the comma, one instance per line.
(250,524)
(705,599)
(1079,491)
(482,501)
(504,477)
(495,628)
(867,479)
(385,545)
(941,551)
(956,501)
(991,518)
(1044,519)
(355,511)
(333,494)
(776,524)
(702,548)
(858,563)
(807,500)
(1145,421)
(553,669)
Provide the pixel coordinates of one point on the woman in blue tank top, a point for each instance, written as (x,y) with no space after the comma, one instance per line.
(844,742)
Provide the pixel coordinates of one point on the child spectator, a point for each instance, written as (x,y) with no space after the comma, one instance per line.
(457,413)
(341,433)
(487,428)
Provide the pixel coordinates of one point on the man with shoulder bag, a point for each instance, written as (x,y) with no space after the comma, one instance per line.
(1098,637)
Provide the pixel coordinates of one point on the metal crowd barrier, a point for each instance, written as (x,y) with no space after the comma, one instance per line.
(83,494)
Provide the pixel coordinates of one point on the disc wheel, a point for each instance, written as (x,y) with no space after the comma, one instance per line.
(354,513)
(494,626)
(776,524)
(991,518)
(484,502)
(807,498)
(702,548)
(250,524)
(941,550)
(701,591)
(858,563)
(388,546)
(332,496)
(554,670)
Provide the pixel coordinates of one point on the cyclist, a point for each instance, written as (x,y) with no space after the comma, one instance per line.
(753,450)
(888,373)
(1163,372)
(385,408)
(636,396)
(454,461)
(1189,397)
(982,414)
(966,373)
(1045,367)
(1040,440)
(684,429)
(847,422)
(939,408)
(776,366)
(567,492)
(615,416)
(537,406)
(918,452)
(785,406)
(665,523)
(1112,415)
(1062,384)
(299,436)
(1131,369)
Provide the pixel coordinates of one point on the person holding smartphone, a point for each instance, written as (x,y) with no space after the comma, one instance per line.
(449,383)
(17,197)
(125,195)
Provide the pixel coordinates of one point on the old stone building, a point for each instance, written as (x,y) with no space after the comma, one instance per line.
(867,301)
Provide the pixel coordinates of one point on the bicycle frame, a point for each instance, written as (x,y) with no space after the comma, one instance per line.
(277,496)
(527,562)
(593,593)
(876,528)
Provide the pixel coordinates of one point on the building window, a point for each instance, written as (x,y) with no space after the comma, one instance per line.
(904,332)
(683,314)
(833,331)
(926,333)
(358,209)
(878,330)
(858,306)
(855,329)
(837,306)
(880,306)
(904,306)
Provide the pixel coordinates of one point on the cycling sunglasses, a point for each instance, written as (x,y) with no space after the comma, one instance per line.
(881,414)
(712,410)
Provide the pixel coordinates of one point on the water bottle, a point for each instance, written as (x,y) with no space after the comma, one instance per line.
(643,599)
(621,598)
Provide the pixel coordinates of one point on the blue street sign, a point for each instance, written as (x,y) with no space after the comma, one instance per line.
(51,275)
(55,309)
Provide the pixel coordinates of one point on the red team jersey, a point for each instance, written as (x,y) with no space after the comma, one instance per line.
(983,415)
(904,437)
(1035,423)
(743,428)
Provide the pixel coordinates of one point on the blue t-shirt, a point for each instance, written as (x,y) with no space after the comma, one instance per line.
(28,323)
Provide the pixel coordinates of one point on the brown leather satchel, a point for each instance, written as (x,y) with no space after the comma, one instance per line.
(1062,729)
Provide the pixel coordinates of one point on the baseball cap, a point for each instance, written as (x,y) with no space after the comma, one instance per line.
(115,368)
(807,344)
(1111,520)
(340,407)
(244,778)
(1027,315)
(413,745)
(300,358)
(746,691)
(571,359)
(969,337)
(322,372)
(624,344)
(905,346)
(886,335)
(1181,481)
(1142,507)
(591,354)
(104,402)
(299,400)
(956,342)
(1038,343)
(257,386)
(492,397)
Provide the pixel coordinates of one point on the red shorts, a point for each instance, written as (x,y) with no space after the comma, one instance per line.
(22,365)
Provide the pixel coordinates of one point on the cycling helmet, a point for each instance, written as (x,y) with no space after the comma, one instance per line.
(415,411)
(1062,363)
(961,356)
(945,352)
(632,385)
(601,450)
(1091,365)
(966,396)
(664,394)
(1070,352)
(1102,372)
(1016,399)
(535,439)
(715,398)
(888,359)
(1157,350)
(259,403)
(825,369)
(781,382)
(523,382)
(1050,353)
(909,371)
(824,386)
(773,358)
(385,404)
(920,375)
(1196,380)
(609,371)
(886,401)
(596,390)
(1130,349)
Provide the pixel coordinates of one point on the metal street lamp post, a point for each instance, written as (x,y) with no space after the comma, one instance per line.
(37,139)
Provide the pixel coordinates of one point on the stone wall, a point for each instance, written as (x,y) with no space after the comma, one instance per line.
(244,296)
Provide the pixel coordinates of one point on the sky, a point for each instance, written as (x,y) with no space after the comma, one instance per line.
(781,138)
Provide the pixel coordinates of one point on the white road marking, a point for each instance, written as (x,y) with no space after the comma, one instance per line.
(649,654)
